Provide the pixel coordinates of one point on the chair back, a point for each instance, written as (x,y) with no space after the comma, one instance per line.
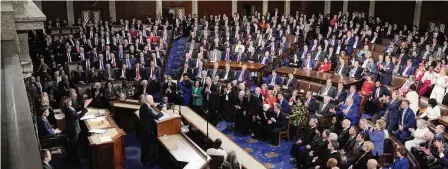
(216,161)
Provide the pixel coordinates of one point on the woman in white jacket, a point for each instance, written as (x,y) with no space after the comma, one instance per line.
(432,111)
(419,135)
(440,85)
(413,98)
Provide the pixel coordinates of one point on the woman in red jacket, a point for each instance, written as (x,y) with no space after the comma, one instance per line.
(419,72)
(367,86)
(324,66)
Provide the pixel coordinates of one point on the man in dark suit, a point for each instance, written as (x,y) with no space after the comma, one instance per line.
(327,90)
(407,69)
(353,94)
(308,63)
(386,71)
(355,71)
(351,140)
(273,80)
(46,158)
(284,104)
(148,133)
(212,73)
(406,121)
(227,55)
(324,107)
(341,69)
(128,61)
(170,89)
(289,85)
(227,75)
(276,123)
(340,93)
(44,125)
(138,72)
(310,103)
(332,152)
(186,69)
(244,75)
(344,135)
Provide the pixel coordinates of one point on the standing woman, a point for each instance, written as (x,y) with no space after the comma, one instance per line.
(377,136)
(441,82)
(97,96)
(109,92)
(299,113)
(227,98)
(196,94)
(413,98)
(72,130)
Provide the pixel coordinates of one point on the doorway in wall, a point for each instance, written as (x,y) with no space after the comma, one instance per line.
(177,11)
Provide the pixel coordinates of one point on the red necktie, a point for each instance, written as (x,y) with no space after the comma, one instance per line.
(242,76)
(138,73)
(227,56)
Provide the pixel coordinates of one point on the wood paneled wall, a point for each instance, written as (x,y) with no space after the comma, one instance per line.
(54,9)
(214,8)
(138,9)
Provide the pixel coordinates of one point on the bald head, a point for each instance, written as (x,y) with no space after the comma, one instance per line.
(149,99)
(372,164)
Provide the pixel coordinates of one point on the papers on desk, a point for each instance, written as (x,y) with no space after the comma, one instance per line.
(105,139)
(86,117)
(165,116)
(98,119)
(97,131)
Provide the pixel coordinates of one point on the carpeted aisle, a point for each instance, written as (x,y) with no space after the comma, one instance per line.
(271,157)
(177,53)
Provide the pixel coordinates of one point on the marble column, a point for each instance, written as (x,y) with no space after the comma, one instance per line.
(417,12)
(372,8)
(287,7)
(70,13)
(112,10)
(18,136)
(194,7)
(159,7)
(234,6)
(344,6)
(265,7)
(327,7)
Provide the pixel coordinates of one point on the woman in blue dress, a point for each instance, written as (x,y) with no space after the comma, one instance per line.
(185,85)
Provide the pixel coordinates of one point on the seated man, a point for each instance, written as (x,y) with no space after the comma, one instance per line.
(46,158)
(305,139)
(285,108)
(347,111)
(244,75)
(289,85)
(324,107)
(340,93)
(227,75)
(273,80)
(308,63)
(217,150)
(408,69)
(330,152)
(44,126)
(327,90)
(276,123)
(354,96)
(310,103)
(406,121)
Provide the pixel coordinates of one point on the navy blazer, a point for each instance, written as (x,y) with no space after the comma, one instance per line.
(44,126)
(245,78)
(400,163)
(285,106)
(409,120)
(356,98)
(223,55)
(409,72)
(393,106)
(277,80)
(352,114)
(312,64)
(341,97)
(312,105)
(356,73)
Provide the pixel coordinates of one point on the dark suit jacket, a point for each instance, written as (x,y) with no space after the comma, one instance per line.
(147,124)
(331,91)
(277,80)
(343,69)
(348,146)
(246,76)
(210,73)
(342,95)
(312,106)
(230,75)
(44,127)
(292,84)
(46,166)
(343,137)
(181,70)
(72,128)
(356,74)
(325,111)
(382,91)
(409,120)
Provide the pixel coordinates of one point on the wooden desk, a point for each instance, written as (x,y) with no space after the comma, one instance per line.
(251,67)
(106,154)
(320,77)
(179,145)
(198,122)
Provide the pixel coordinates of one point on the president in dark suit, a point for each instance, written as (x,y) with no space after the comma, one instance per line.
(148,133)
(406,120)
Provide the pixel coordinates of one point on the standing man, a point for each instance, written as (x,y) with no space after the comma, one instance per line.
(148,133)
